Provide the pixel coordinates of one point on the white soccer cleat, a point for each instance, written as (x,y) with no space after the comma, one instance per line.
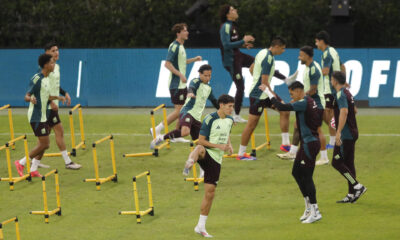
(313,217)
(291,79)
(157,141)
(202,232)
(286,156)
(151,132)
(179,140)
(41,165)
(239,119)
(322,161)
(73,166)
(306,214)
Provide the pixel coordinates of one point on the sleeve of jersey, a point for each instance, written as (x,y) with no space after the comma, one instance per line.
(172,52)
(327,60)
(206,127)
(213,100)
(314,76)
(280,106)
(342,100)
(31,87)
(193,86)
(225,35)
(299,106)
(266,65)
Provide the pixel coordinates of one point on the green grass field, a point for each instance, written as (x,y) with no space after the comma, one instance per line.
(254,200)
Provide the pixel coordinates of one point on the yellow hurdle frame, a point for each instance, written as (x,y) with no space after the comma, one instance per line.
(81,144)
(194,179)
(153,126)
(12,180)
(14,219)
(10,121)
(46,211)
(267,144)
(113,177)
(139,213)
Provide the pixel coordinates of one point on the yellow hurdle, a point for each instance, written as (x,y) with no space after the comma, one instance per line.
(139,213)
(113,177)
(12,180)
(194,179)
(46,211)
(10,121)
(267,144)
(153,127)
(14,219)
(81,144)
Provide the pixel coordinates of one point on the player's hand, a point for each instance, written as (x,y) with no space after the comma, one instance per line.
(198,58)
(33,100)
(183,78)
(223,147)
(53,106)
(68,98)
(62,99)
(191,95)
(230,150)
(338,140)
(248,38)
(262,87)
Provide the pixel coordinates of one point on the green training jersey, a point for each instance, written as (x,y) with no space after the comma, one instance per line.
(331,60)
(39,88)
(313,76)
(54,83)
(216,130)
(264,64)
(177,56)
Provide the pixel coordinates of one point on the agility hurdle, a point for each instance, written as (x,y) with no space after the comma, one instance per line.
(10,121)
(46,211)
(139,213)
(12,180)
(153,127)
(194,179)
(14,219)
(266,144)
(113,177)
(81,144)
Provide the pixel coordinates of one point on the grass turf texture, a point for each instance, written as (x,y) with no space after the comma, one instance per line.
(254,200)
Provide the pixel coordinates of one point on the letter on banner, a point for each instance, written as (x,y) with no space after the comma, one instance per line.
(396,92)
(377,78)
(354,72)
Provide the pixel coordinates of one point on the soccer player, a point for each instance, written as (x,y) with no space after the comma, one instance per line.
(308,119)
(313,87)
(190,115)
(176,63)
(346,137)
(213,141)
(39,96)
(330,62)
(264,66)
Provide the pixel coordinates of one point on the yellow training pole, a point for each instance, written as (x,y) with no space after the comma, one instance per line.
(46,210)
(71,126)
(135,195)
(81,127)
(253,144)
(267,129)
(96,168)
(113,156)
(10,121)
(14,219)
(166,124)
(28,162)
(57,192)
(17,229)
(11,180)
(150,194)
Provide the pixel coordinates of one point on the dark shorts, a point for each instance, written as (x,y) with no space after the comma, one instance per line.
(211,169)
(257,105)
(178,96)
(329,101)
(40,128)
(321,116)
(53,119)
(194,125)
(307,154)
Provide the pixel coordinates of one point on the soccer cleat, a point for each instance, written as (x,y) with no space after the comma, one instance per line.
(306,214)
(202,232)
(285,148)
(359,193)
(189,164)
(35,174)
(20,168)
(347,199)
(41,165)
(286,156)
(328,146)
(322,162)
(151,132)
(179,140)
(73,166)
(239,119)
(245,157)
(313,217)
(159,139)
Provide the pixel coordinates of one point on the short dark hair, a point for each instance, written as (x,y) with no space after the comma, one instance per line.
(44,59)
(205,67)
(49,45)
(296,85)
(308,50)
(177,28)
(278,41)
(223,10)
(340,77)
(323,35)
(225,99)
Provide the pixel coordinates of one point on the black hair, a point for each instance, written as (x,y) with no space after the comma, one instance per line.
(339,76)
(308,50)
(225,99)
(278,41)
(323,35)
(44,59)
(296,85)
(49,45)
(223,10)
(205,67)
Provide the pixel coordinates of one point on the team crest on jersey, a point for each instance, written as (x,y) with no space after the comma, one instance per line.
(54,120)
(303,162)
(187,119)
(259,109)
(43,130)
(181,97)
(218,127)
(238,76)
(337,156)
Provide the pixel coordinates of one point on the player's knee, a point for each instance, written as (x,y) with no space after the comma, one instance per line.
(185,131)
(210,194)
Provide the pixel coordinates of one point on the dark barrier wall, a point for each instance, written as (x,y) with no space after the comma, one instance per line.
(136,77)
